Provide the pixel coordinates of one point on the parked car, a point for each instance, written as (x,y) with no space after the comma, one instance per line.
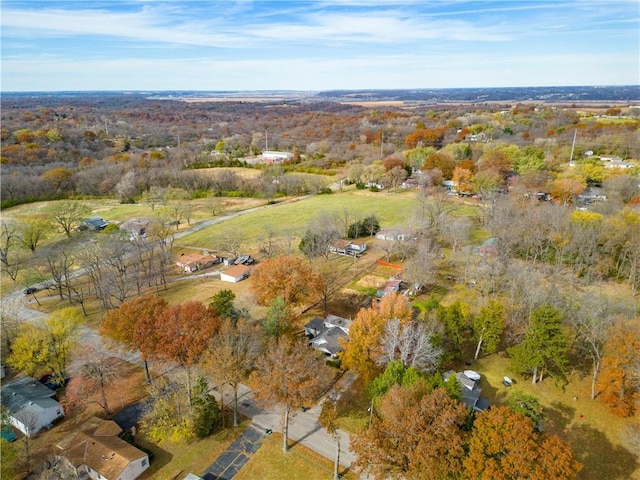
(8,435)
(30,290)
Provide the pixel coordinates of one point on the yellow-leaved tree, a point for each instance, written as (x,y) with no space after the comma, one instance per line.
(363,346)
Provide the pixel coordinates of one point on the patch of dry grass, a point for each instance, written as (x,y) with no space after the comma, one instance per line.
(271,463)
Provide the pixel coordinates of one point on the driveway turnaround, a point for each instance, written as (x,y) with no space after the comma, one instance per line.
(236,455)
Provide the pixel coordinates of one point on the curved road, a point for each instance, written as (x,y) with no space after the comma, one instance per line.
(303,427)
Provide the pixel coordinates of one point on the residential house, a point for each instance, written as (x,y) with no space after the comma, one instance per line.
(136,228)
(193,262)
(470,389)
(347,247)
(30,405)
(326,333)
(235,274)
(93,223)
(97,451)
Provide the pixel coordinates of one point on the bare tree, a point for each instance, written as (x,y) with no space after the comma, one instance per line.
(230,241)
(420,267)
(412,344)
(95,369)
(8,233)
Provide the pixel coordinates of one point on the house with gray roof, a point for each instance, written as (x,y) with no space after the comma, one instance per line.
(470,390)
(30,405)
(326,333)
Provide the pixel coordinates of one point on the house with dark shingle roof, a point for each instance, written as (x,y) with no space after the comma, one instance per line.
(326,333)
(30,405)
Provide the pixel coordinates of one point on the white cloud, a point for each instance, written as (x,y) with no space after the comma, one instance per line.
(392,71)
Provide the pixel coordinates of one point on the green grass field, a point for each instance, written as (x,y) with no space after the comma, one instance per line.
(391,209)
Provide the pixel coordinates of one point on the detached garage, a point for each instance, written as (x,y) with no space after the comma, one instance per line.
(235,274)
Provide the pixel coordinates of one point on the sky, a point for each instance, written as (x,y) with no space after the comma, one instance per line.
(150,45)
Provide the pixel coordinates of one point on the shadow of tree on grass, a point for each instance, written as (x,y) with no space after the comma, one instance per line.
(599,457)
(558,416)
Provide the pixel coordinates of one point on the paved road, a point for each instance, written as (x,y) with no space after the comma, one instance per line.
(303,426)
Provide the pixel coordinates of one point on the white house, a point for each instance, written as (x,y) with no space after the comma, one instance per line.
(235,274)
(97,451)
(347,247)
(270,156)
(30,405)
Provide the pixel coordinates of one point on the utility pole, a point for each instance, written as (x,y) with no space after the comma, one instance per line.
(266,140)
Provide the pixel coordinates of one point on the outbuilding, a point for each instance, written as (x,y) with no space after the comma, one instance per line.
(235,274)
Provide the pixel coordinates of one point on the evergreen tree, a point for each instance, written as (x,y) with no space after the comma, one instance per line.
(544,348)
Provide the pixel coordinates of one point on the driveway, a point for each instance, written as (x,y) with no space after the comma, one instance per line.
(237,454)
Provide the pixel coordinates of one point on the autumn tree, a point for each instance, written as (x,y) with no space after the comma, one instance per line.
(168,417)
(505,445)
(440,161)
(286,276)
(416,433)
(182,332)
(619,381)
(287,375)
(125,325)
(67,214)
(544,348)
(231,356)
(565,190)
(363,348)
(488,326)
(46,347)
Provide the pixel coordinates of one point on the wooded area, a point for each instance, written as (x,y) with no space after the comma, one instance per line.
(514,237)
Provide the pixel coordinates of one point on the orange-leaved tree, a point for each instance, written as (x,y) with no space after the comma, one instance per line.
(286,276)
(505,445)
(232,354)
(416,433)
(363,347)
(181,334)
(287,374)
(619,380)
(121,324)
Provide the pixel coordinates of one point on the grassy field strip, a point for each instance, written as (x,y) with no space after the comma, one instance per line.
(391,210)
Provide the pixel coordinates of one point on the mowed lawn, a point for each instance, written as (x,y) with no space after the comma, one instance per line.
(588,426)
(391,209)
(271,463)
